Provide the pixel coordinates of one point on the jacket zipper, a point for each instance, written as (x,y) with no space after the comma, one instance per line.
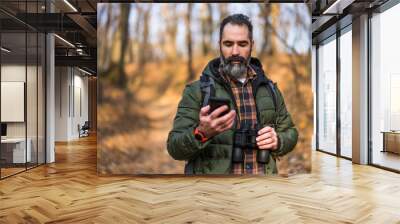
(257,111)
(229,90)
(245,112)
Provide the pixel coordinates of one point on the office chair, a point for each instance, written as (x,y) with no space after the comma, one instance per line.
(84,130)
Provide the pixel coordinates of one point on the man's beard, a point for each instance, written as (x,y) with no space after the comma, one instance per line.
(234,70)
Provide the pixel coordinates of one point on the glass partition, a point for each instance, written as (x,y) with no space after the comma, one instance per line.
(327,96)
(41,88)
(13,105)
(31,100)
(32,86)
(22,77)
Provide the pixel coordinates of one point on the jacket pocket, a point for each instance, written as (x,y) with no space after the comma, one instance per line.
(217,166)
(216,151)
(215,159)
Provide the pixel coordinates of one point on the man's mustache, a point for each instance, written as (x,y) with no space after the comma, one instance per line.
(235,59)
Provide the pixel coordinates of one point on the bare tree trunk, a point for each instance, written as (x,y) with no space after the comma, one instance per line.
(270,14)
(144,50)
(136,38)
(275,13)
(123,25)
(265,10)
(171,19)
(210,27)
(206,27)
(131,56)
(105,46)
(189,42)
(223,11)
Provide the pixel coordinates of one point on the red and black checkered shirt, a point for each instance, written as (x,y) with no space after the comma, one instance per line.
(243,93)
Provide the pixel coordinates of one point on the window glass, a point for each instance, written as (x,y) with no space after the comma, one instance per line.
(327,97)
(385,84)
(346,94)
(15,150)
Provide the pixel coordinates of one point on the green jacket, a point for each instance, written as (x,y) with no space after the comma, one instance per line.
(214,156)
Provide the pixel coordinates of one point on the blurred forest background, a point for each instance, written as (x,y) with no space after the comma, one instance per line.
(148,52)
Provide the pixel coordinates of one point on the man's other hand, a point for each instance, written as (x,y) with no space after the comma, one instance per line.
(267,138)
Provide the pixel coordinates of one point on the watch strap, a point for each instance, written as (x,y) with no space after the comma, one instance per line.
(199,135)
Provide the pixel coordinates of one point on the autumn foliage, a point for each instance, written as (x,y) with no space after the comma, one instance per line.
(143,68)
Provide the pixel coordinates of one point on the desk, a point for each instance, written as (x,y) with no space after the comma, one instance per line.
(391,141)
(15,148)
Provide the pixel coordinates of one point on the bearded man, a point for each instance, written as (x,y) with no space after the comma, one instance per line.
(248,137)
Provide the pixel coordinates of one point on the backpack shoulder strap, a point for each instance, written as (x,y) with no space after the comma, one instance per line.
(272,90)
(207,87)
(262,80)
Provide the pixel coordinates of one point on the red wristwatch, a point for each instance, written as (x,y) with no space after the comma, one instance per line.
(199,135)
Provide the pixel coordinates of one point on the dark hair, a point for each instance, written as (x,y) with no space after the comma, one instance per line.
(237,19)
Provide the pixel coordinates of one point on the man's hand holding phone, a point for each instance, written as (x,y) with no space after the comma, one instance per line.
(212,123)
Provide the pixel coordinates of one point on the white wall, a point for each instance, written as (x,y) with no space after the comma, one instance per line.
(71,94)
(13,73)
(61,103)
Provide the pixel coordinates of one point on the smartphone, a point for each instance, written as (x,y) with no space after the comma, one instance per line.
(216,102)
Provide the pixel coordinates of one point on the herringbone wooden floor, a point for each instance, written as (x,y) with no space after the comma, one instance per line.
(69,191)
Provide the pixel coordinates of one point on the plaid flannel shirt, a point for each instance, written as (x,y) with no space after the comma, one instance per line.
(243,93)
